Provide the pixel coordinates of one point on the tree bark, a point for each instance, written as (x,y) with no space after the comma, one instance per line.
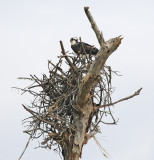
(68,154)
(72,148)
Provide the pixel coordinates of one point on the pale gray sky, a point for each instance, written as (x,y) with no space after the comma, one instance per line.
(30,31)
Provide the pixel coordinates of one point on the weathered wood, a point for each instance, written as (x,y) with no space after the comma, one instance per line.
(94,26)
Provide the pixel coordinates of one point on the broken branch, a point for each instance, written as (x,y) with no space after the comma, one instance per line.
(99,34)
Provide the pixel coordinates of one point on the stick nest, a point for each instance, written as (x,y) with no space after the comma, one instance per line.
(55,99)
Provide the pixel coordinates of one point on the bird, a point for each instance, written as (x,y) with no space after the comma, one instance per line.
(81,48)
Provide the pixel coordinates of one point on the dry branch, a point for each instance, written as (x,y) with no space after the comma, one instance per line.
(67,59)
(42,120)
(99,34)
(120,100)
(25,147)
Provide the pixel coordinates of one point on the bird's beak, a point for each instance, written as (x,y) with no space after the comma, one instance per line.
(120,37)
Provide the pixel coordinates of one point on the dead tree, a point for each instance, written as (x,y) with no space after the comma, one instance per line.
(70,104)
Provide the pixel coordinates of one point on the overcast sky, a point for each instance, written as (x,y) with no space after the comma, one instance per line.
(30,31)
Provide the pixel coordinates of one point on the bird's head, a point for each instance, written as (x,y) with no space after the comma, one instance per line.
(74,40)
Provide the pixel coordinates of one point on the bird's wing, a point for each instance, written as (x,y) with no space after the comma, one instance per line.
(86,44)
(75,48)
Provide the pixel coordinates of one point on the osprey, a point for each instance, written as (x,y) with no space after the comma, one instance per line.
(82,48)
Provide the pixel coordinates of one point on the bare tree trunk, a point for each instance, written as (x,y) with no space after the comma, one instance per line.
(68,154)
(72,149)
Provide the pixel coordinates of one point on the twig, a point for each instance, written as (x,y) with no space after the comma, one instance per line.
(25,147)
(54,73)
(101,148)
(43,120)
(123,99)
(58,68)
(62,56)
(67,59)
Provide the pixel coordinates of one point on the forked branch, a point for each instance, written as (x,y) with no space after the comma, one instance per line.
(105,51)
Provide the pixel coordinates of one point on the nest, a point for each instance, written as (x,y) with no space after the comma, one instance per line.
(55,99)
